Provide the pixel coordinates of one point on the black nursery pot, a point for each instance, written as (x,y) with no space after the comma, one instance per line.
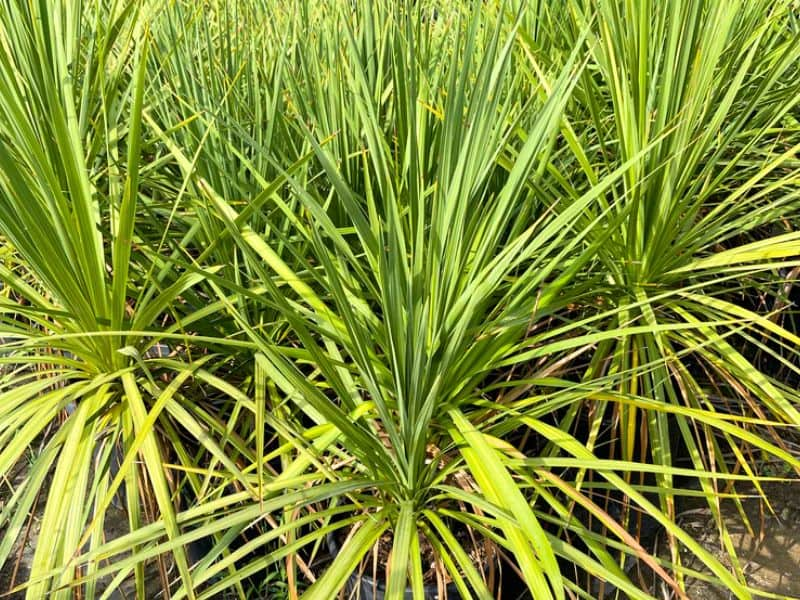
(364,587)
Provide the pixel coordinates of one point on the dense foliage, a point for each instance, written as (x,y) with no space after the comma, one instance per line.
(466,293)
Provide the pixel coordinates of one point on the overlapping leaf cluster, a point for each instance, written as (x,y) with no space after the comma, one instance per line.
(489,285)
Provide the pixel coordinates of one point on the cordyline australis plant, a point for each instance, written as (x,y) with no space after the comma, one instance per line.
(451,292)
(706,219)
(81,305)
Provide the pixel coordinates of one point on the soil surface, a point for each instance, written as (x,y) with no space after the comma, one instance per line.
(17,568)
(769,555)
